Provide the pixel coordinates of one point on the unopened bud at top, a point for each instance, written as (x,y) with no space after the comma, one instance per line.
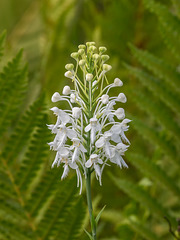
(122,98)
(105,99)
(102,49)
(69,66)
(104,58)
(81,51)
(56,97)
(75,55)
(66,90)
(76,112)
(82,63)
(118,82)
(88,44)
(106,67)
(89,77)
(92,48)
(82,46)
(96,56)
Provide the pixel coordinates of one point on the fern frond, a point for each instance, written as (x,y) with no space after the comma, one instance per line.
(156,138)
(141,196)
(2,40)
(158,88)
(45,188)
(158,111)
(34,157)
(73,230)
(13,81)
(159,67)
(57,210)
(153,171)
(143,230)
(169,25)
(23,131)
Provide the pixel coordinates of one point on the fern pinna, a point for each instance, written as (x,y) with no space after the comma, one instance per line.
(29,193)
(157,122)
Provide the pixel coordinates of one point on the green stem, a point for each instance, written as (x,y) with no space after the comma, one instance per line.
(89,202)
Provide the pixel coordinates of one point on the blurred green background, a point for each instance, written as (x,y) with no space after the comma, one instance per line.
(143,42)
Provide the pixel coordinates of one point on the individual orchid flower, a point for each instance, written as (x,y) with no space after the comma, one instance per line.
(78,149)
(93,126)
(117,153)
(103,141)
(94,161)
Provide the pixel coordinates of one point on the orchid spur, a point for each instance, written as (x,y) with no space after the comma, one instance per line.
(91,132)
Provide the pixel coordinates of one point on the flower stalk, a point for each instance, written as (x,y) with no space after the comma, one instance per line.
(91,132)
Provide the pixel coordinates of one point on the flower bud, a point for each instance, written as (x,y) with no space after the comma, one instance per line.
(56,97)
(120,114)
(82,63)
(69,67)
(72,98)
(118,82)
(96,56)
(75,55)
(69,74)
(82,46)
(81,51)
(122,98)
(102,49)
(105,98)
(66,90)
(104,58)
(94,83)
(76,112)
(88,44)
(89,77)
(92,48)
(106,67)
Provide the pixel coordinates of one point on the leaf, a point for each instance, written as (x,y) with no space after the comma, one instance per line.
(99,215)
(90,237)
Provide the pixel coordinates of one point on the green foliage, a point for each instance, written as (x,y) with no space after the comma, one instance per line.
(34,204)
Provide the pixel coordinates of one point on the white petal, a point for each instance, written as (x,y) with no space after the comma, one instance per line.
(73,165)
(65,118)
(71,134)
(116,129)
(66,171)
(100,142)
(88,164)
(75,155)
(55,160)
(82,148)
(100,161)
(116,138)
(97,169)
(88,128)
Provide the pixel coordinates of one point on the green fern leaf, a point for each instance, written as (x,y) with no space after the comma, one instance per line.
(141,229)
(157,87)
(73,229)
(141,196)
(153,171)
(169,25)
(23,131)
(158,111)
(159,67)
(156,139)
(13,81)
(60,205)
(34,157)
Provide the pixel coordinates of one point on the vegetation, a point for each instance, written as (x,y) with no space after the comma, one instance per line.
(143,42)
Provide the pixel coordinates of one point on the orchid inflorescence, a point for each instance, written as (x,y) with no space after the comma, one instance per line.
(91,132)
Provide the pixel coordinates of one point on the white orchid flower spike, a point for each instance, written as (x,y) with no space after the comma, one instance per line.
(91,131)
